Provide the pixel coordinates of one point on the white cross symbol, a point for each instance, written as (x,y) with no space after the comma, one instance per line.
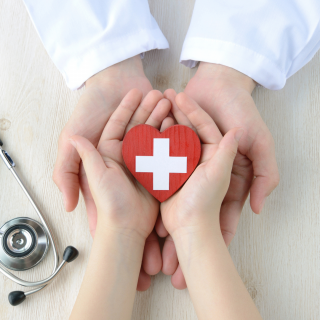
(161,164)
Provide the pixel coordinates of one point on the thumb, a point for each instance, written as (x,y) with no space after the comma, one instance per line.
(65,174)
(265,169)
(219,167)
(93,163)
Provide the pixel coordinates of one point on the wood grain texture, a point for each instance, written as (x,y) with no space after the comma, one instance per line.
(183,142)
(276,253)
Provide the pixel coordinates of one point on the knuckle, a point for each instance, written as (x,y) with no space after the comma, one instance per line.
(118,122)
(266,141)
(169,239)
(275,180)
(88,154)
(63,137)
(55,177)
(231,152)
(156,94)
(152,240)
(227,235)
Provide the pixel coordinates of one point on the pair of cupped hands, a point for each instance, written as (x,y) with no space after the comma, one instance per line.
(216,100)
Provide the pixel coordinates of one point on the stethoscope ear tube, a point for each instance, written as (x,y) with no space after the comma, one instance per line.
(18,236)
(70,254)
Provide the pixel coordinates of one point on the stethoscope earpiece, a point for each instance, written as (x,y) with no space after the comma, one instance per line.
(16,297)
(24,243)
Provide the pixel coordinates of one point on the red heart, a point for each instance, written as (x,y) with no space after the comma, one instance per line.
(177,149)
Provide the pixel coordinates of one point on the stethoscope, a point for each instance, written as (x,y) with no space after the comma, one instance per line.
(24,242)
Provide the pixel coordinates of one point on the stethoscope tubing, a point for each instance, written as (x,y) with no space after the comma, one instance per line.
(69,255)
(56,268)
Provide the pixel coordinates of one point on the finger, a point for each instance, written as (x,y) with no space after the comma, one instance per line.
(167,123)
(265,170)
(88,200)
(93,163)
(152,260)
(170,114)
(159,113)
(160,228)
(145,109)
(144,281)
(229,218)
(116,126)
(178,280)
(181,118)
(218,168)
(223,159)
(169,257)
(203,123)
(65,174)
(92,213)
(233,202)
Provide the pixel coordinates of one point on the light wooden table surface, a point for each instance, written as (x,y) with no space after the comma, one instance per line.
(276,253)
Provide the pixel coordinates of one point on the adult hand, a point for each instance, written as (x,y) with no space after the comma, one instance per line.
(103,94)
(225,94)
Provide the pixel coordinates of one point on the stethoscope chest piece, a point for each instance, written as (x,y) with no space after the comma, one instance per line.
(23,244)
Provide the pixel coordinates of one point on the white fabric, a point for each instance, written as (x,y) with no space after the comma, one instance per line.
(161,164)
(84,37)
(268,40)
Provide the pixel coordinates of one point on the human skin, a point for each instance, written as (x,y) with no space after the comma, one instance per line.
(192,218)
(127,212)
(102,95)
(225,94)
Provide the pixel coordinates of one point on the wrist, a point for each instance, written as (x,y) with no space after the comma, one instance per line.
(225,76)
(192,243)
(128,239)
(131,67)
(110,281)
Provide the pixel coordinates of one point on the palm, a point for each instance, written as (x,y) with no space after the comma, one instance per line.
(103,94)
(99,105)
(231,107)
(152,110)
(118,183)
(179,209)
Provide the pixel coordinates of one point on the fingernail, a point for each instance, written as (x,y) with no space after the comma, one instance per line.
(239,134)
(262,205)
(73,142)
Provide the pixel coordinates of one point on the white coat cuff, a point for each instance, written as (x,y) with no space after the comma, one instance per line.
(76,69)
(232,55)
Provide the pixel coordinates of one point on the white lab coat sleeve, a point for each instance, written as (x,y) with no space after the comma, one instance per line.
(84,37)
(268,40)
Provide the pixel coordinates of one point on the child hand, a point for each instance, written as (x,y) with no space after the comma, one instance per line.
(195,208)
(123,205)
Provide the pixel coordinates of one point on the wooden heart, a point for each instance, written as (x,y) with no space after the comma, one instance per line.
(161,161)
